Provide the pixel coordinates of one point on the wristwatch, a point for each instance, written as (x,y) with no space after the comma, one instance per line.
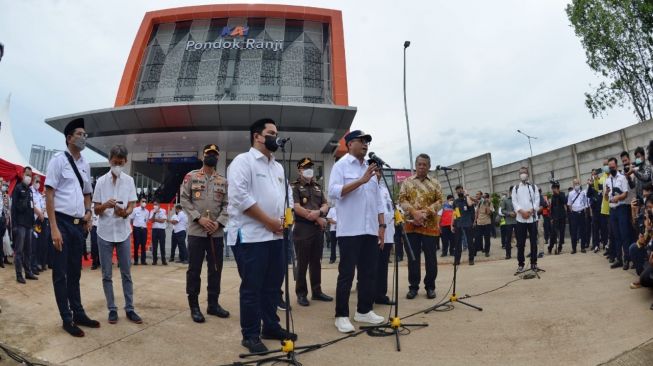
(383,226)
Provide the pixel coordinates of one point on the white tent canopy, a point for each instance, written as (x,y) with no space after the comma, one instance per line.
(8,149)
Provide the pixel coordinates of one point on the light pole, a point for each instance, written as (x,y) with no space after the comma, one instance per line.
(410,146)
(529,140)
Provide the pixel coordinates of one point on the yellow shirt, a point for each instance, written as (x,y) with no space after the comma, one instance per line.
(605,205)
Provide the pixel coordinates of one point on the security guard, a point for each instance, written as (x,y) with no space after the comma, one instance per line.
(204,199)
(311,209)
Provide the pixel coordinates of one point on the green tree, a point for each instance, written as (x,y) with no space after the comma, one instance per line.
(617,36)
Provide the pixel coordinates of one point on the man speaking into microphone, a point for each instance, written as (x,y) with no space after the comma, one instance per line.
(361,229)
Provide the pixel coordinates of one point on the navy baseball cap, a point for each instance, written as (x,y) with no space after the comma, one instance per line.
(358,134)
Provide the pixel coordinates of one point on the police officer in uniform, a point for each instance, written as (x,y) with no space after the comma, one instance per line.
(204,199)
(311,209)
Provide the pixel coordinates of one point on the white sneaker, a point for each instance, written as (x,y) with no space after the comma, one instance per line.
(344,325)
(369,318)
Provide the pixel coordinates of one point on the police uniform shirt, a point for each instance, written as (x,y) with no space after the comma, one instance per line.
(200,194)
(577,201)
(182,222)
(359,209)
(68,195)
(160,214)
(140,216)
(112,228)
(255,179)
(311,197)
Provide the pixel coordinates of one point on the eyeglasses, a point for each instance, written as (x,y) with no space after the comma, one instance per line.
(81,134)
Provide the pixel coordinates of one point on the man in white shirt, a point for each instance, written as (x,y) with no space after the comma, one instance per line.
(114,200)
(526,203)
(578,204)
(68,201)
(616,192)
(179,223)
(381,278)
(333,225)
(139,218)
(257,191)
(361,229)
(38,241)
(159,218)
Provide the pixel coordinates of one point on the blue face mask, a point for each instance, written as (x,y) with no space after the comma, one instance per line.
(638,161)
(605,169)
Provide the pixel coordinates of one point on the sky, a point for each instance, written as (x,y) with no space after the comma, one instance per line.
(476,72)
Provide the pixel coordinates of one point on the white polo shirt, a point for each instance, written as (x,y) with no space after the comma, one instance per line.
(182,222)
(619,181)
(577,201)
(525,196)
(254,179)
(112,228)
(139,217)
(68,195)
(161,214)
(358,210)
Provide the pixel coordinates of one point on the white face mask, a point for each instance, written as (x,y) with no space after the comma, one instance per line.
(156,207)
(307,173)
(37,186)
(143,204)
(577,187)
(4,188)
(523,177)
(27,180)
(116,170)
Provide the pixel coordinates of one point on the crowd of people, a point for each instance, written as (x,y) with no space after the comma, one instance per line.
(247,212)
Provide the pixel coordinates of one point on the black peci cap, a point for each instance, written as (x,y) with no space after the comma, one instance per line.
(357,134)
(73,125)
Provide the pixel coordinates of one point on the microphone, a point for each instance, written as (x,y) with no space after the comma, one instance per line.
(281,142)
(440,167)
(376,159)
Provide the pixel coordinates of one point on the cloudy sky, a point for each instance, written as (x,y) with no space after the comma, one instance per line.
(476,72)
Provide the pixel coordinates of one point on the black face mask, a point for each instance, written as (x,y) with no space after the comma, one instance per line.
(211,161)
(613,172)
(271,143)
(461,195)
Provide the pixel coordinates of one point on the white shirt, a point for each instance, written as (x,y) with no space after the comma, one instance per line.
(619,181)
(182,222)
(140,216)
(112,228)
(332,215)
(254,179)
(580,203)
(161,214)
(389,214)
(39,201)
(359,209)
(68,195)
(525,196)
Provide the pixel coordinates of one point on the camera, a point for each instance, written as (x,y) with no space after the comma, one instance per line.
(554,182)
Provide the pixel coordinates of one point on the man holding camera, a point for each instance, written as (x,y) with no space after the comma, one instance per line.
(616,191)
(526,202)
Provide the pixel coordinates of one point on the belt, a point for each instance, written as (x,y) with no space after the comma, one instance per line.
(577,212)
(70,219)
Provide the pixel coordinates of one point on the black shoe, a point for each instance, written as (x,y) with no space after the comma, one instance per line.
(144,263)
(197,315)
(35,271)
(154,263)
(31,276)
(617,264)
(332,261)
(94,267)
(443,255)
(217,310)
(20,279)
(254,345)
(164,262)
(279,334)
(135,263)
(113,317)
(549,250)
(411,294)
(626,265)
(133,317)
(508,257)
(302,300)
(73,329)
(611,260)
(172,260)
(281,306)
(85,321)
(2,265)
(487,255)
(322,297)
(430,294)
(573,251)
(471,262)
(583,250)
(384,301)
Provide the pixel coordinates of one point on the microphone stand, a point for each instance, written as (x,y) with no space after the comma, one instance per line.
(394,326)
(453,298)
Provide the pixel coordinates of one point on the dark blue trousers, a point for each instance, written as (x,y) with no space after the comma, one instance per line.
(577,229)
(67,269)
(621,228)
(158,241)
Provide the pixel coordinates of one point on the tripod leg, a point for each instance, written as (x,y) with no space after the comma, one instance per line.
(397,336)
(470,305)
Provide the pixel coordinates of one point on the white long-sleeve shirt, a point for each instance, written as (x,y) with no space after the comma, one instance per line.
(359,209)
(525,196)
(254,179)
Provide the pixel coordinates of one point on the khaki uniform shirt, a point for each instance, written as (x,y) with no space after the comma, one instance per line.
(311,197)
(204,196)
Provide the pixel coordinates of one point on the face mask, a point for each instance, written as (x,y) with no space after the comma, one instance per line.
(577,188)
(4,188)
(450,203)
(27,180)
(80,143)
(211,161)
(613,172)
(638,161)
(116,170)
(307,173)
(271,143)
(605,169)
(156,207)
(37,186)
(143,204)
(461,195)
(523,177)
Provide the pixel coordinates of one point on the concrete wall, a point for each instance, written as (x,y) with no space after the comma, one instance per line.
(566,163)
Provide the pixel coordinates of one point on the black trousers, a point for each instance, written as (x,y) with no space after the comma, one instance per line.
(309,256)
(523,229)
(422,243)
(95,253)
(557,232)
(67,269)
(482,234)
(381,280)
(179,240)
(334,244)
(199,248)
(158,241)
(447,240)
(140,238)
(357,253)
(508,231)
(547,228)
(458,240)
(577,230)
